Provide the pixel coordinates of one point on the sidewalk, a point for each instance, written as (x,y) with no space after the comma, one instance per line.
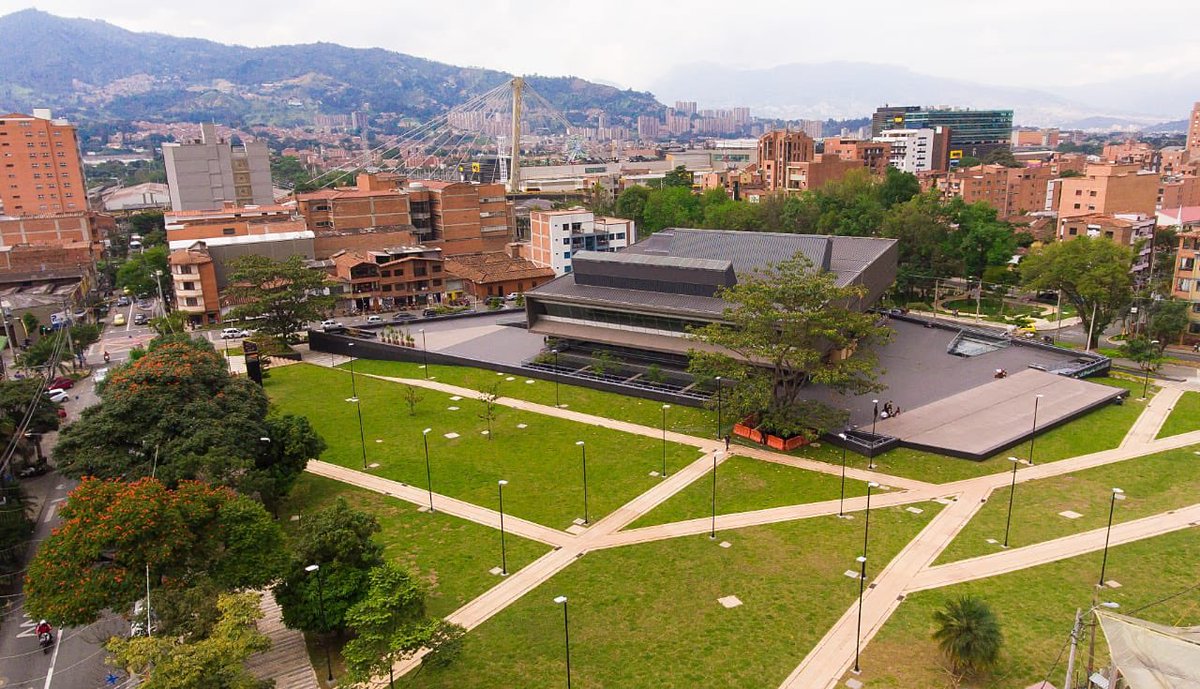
(286,662)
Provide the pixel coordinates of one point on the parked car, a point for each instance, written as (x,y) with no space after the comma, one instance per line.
(122,300)
(404,316)
(374,319)
(233,333)
(140,319)
(331,324)
(61,383)
(34,470)
(119,319)
(145,304)
(512,296)
(58,396)
(429,313)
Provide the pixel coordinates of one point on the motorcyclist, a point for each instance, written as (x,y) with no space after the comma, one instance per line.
(45,634)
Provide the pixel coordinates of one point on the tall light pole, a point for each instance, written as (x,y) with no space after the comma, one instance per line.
(503,550)
(562,600)
(162,303)
(874,418)
(1146,382)
(720,425)
(583,450)
(842,496)
(1117,494)
(362,437)
(712,533)
(867,517)
(428,472)
(1033,431)
(665,407)
(1011,489)
(557,403)
(979,299)
(424,352)
(862,578)
(325,625)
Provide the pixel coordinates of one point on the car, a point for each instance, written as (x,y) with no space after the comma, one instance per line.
(429,313)
(58,396)
(139,319)
(513,296)
(233,333)
(374,319)
(122,300)
(119,319)
(404,316)
(34,470)
(61,383)
(145,304)
(330,324)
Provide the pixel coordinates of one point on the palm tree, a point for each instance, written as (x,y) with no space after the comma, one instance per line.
(968,634)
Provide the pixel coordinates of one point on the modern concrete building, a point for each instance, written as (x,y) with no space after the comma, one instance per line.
(556,236)
(40,169)
(644,300)
(916,150)
(206,173)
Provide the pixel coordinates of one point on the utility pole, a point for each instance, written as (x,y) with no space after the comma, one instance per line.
(1069,683)
(514,166)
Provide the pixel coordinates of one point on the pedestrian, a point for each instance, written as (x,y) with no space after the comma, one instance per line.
(727,442)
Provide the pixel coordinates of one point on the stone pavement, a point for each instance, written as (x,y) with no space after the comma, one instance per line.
(1147,426)
(286,661)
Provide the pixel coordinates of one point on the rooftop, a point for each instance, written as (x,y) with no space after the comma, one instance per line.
(492,267)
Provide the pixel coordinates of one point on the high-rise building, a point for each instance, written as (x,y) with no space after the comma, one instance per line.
(1193,139)
(205,173)
(778,148)
(973,133)
(686,106)
(40,169)
(917,150)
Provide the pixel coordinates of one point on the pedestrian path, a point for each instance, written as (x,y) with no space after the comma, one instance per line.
(1151,420)
(286,662)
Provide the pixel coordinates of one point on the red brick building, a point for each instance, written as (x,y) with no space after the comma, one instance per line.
(40,168)
(497,274)
(779,148)
(393,278)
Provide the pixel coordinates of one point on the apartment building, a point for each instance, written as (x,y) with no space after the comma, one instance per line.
(778,148)
(194,280)
(497,274)
(40,169)
(973,133)
(1186,281)
(1011,191)
(1130,151)
(875,155)
(917,150)
(208,172)
(555,236)
(1124,228)
(232,221)
(393,278)
(816,173)
(1036,138)
(1177,191)
(1109,188)
(1193,135)
(1177,160)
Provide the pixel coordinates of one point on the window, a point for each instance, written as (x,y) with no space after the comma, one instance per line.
(1092,192)
(191,301)
(1184,285)
(437,267)
(385,273)
(566,254)
(1077,206)
(566,240)
(620,235)
(1187,264)
(1073,231)
(229,231)
(1196,307)
(189,286)
(1079,192)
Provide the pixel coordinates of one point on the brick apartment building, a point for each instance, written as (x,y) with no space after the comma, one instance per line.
(1186,280)
(1193,132)
(875,155)
(497,274)
(1124,229)
(1175,192)
(394,278)
(816,173)
(1011,191)
(194,278)
(778,148)
(1108,189)
(40,169)
(1036,138)
(1130,151)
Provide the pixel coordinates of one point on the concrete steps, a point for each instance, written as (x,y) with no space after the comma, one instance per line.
(286,661)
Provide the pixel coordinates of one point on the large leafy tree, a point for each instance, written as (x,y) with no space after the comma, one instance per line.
(969,635)
(1093,274)
(15,398)
(339,540)
(215,662)
(983,239)
(897,187)
(112,531)
(669,207)
(925,241)
(285,295)
(631,204)
(780,334)
(145,272)
(1168,320)
(678,177)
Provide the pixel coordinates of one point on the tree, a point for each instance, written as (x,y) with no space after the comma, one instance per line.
(340,541)
(1002,156)
(669,207)
(678,177)
(1168,320)
(389,624)
(897,187)
(600,200)
(15,398)
(216,662)
(111,531)
(1092,273)
(849,206)
(151,226)
(291,442)
(968,634)
(632,202)
(146,272)
(173,322)
(777,336)
(488,398)
(39,353)
(1140,350)
(289,173)
(412,397)
(982,239)
(286,295)
(926,242)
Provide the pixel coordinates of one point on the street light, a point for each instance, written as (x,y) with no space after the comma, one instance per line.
(712,533)
(362,438)
(583,449)
(720,425)
(1117,494)
(162,303)
(665,407)
(874,418)
(428,473)
(867,518)
(424,352)
(1146,382)
(862,578)
(562,600)
(557,404)
(1033,432)
(324,625)
(503,551)
(1011,489)
(842,496)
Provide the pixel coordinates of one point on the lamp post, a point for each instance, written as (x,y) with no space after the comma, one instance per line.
(979,299)
(1146,382)
(842,496)
(1092,636)
(321,607)
(428,472)
(424,352)
(712,532)
(720,425)
(583,450)
(874,418)
(1033,431)
(862,578)
(503,551)
(362,437)
(557,404)
(562,600)
(665,407)
(1011,489)
(867,517)
(162,303)
(1117,494)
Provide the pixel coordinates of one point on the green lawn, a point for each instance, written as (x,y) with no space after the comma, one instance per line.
(1036,608)
(1152,484)
(1102,429)
(990,306)
(1184,417)
(691,420)
(745,484)
(541,462)
(452,555)
(647,615)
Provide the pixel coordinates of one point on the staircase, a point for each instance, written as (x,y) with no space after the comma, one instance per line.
(286,661)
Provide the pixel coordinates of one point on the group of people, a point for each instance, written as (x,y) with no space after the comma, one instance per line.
(890,409)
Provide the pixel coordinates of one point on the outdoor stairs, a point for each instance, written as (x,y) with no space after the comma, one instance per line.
(286,661)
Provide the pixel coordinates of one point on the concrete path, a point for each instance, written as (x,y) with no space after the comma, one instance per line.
(1150,422)
(286,662)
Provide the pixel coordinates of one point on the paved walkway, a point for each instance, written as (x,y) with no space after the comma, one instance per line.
(1147,426)
(286,661)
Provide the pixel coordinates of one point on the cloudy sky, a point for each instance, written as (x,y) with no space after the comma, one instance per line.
(1029,43)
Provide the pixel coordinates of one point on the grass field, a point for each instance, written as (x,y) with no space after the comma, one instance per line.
(1152,484)
(1036,608)
(541,461)
(647,615)
(745,484)
(690,420)
(990,306)
(1184,417)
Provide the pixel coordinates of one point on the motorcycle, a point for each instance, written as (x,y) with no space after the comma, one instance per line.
(46,641)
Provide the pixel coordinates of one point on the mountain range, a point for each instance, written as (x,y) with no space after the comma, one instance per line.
(92,70)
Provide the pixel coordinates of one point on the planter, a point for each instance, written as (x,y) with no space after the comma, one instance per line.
(745,431)
(786,444)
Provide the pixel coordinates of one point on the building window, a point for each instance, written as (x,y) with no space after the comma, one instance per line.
(566,254)
(566,240)
(1187,263)
(1072,231)
(191,301)
(437,267)
(189,286)
(1077,206)
(229,231)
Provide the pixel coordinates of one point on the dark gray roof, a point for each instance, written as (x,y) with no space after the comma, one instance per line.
(682,304)
(748,251)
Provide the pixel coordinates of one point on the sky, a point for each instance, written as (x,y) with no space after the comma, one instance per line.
(630,43)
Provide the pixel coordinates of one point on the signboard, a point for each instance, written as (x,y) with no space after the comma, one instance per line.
(595,170)
(253,362)
(956,154)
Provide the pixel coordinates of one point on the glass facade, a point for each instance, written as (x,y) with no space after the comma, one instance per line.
(622,319)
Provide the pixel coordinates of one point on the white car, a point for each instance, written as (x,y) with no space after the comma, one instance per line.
(99,375)
(374,319)
(512,296)
(331,325)
(233,333)
(57,395)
